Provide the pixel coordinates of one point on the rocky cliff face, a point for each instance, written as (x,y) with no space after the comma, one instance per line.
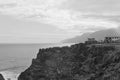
(1,77)
(78,62)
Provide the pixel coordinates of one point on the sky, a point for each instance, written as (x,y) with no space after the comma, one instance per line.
(49,21)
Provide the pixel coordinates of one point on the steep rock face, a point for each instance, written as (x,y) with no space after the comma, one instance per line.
(78,62)
(1,77)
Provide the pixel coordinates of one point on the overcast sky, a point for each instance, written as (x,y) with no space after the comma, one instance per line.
(44,21)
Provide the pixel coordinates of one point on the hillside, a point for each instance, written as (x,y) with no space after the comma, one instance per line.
(78,62)
(98,35)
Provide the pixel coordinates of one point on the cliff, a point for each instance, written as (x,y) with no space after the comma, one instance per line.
(1,77)
(78,62)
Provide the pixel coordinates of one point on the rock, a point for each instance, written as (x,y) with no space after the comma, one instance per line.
(78,62)
(1,77)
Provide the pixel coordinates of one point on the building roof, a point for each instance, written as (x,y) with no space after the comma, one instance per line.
(113,34)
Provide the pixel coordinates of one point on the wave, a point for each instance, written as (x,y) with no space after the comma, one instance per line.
(8,75)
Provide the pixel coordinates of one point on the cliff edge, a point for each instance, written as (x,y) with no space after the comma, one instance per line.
(78,62)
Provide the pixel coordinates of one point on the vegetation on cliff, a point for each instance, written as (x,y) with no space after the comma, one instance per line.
(78,62)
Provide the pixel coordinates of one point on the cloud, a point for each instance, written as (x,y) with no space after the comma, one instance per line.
(53,12)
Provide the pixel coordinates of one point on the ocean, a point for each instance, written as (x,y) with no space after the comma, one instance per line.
(15,58)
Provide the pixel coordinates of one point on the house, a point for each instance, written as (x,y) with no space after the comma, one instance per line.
(113,39)
(91,41)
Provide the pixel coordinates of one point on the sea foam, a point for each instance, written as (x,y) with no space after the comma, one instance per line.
(8,75)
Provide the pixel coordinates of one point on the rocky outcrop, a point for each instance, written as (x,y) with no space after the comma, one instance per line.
(1,77)
(78,62)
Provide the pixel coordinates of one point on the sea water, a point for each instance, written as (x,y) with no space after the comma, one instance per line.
(15,58)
